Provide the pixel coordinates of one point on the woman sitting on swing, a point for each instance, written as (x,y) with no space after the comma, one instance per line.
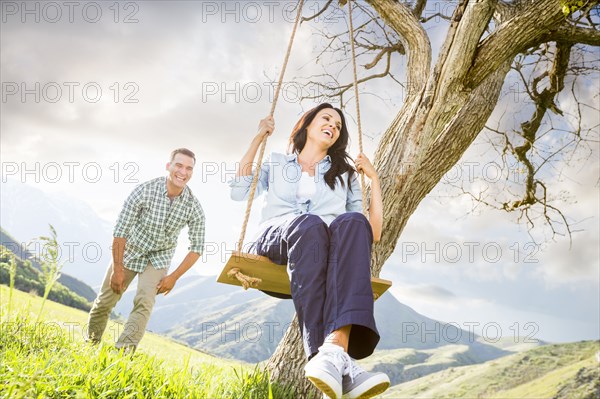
(312,222)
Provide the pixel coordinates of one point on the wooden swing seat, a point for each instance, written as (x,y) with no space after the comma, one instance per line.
(273,277)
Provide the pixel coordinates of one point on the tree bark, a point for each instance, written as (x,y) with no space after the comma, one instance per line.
(287,363)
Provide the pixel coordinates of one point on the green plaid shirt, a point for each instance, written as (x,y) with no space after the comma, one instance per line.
(151,222)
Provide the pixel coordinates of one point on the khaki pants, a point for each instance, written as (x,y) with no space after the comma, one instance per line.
(142,306)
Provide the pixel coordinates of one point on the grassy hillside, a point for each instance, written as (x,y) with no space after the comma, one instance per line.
(77,286)
(407,364)
(566,371)
(51,360)
(29,279)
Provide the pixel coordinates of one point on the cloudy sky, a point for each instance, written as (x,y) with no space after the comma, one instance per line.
(95,95)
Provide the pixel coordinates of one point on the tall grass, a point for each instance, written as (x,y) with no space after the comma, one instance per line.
(38,362)
(12,271)
(51,266)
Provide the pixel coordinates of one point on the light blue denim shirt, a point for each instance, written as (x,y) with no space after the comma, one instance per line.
(279,177)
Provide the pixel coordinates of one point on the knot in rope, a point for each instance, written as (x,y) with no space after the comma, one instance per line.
(246,281)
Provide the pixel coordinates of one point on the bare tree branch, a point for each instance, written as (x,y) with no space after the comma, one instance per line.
(446,87)
(543,99)
(414,38)
(419,7)
(574,34)
(524,30)
(386,50)
(340,89)
(437,15)
(321,11)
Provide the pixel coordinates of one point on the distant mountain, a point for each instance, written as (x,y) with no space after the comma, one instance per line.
(193,297)
(248,330)
(78,287)
(26,212)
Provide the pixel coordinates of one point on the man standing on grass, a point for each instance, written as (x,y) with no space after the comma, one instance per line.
(145,238)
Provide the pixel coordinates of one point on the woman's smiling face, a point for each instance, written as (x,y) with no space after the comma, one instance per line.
(325,127)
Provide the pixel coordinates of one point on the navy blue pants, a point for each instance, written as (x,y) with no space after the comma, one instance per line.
(329,270)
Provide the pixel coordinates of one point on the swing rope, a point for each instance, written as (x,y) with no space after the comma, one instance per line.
(263,143)
(360,141)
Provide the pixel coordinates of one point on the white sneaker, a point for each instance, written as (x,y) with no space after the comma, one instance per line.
(325,370)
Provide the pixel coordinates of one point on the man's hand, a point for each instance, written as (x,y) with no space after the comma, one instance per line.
(166,284)
(117,280)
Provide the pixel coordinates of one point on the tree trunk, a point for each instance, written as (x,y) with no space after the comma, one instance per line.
(287,363)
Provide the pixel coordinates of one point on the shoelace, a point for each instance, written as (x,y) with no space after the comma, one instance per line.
(353,369)
(343,362)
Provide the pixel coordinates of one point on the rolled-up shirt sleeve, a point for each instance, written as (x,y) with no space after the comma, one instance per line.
(196,229)
(131,208)
(240,185)
(354,197)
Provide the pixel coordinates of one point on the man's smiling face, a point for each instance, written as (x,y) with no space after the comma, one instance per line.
(180,170)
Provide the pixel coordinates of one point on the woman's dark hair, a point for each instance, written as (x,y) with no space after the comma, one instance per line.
(337,152)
